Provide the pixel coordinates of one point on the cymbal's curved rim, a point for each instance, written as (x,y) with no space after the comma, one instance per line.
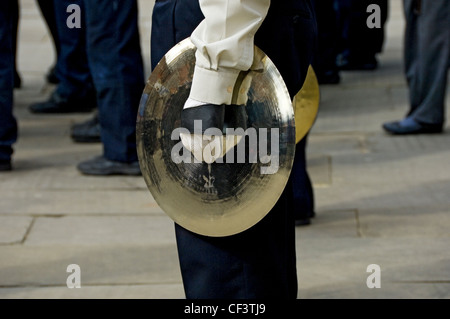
(306,105)
(218,199)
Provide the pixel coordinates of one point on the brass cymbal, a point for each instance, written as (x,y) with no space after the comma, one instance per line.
(306,105)
(217,199)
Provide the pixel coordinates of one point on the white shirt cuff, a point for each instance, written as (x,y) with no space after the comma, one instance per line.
(213,86)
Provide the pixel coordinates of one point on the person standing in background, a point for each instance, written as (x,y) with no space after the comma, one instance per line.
(426,64)
(75,91)
(115,61)
(325,63)
(359,43)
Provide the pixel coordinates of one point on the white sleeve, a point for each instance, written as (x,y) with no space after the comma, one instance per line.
(225,45)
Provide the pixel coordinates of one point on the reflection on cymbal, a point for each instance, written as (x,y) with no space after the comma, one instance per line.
(220,198)
(306,105)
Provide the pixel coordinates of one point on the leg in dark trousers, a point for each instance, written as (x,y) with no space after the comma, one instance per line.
(361,43)
(114,54)
(8,125)
(303,195)
(75,91)
(324,63)
(73,68)
(15,12)
(47,8)
(427,60)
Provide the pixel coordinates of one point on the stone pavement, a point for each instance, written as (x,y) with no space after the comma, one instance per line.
(379,199)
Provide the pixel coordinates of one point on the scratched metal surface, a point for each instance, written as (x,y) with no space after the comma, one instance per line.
(217,199)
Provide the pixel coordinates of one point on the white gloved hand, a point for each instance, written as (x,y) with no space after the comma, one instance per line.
(214,144)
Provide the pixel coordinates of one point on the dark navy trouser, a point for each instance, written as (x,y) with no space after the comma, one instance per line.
(114,55)
(261,261)
(8,124)
(357,40)
(106,48)
(112,44)
(72,68)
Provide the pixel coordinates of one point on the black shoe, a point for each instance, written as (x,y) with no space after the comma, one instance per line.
(329,77)
(87,132)
(51,76)
(5,166)
(363,66)
(367,63)
(102,167)
(411,127)
(17,80)
(58,104)
(303,222)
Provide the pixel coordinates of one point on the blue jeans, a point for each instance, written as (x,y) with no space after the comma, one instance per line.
(115,60)
(72,68)
(8,125)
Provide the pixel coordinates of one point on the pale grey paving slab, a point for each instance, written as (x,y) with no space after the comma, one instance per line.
(331,224)
(389,75)
(357,109)
(361,109)
(408,145)
(109,264)
(413,170)
(40,174)
(35,51)
(425,221)
(383,196)
(337,267)
(145,291)
(364,101)
(320,169)
(374,170)
(80,202)
(101,230)
(14,228)
(417,290)
(46,158)
(145,28)
(337,143)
